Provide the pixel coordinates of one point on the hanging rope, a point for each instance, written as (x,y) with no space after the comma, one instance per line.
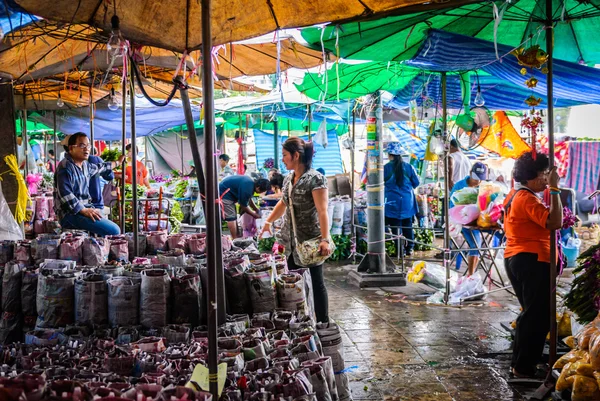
(136,73)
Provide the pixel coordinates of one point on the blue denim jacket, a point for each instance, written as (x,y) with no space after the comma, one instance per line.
(71,185)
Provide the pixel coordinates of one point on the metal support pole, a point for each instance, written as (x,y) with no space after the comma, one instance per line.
(352,161)
(446,187)
(310,121)
(124,152)
(276,142)
(25,140)
(54,139)
(45,147)
(134,178)
(213,218)
(375,260)
(91,108)
(181,140)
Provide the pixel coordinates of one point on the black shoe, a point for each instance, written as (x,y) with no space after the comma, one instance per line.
(439,255)
(408,252)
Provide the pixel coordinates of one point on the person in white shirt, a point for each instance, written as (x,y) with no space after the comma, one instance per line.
(459,164)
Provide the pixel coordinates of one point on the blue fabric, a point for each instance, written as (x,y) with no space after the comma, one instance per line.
(149,119)
(330,158)
(101,227)
(400,202)
(241,189)
(71,185)
(458,185)
(445,51)
(12,16)
(473,238)
(96,185)
(413,140)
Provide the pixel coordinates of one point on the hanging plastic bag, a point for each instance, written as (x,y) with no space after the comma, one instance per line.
(9,228)
(321,135)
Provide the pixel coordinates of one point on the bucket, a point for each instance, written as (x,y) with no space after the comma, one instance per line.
(571,253)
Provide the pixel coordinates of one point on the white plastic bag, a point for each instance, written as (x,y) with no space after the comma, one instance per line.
(467,287)
(9,229)
(321,136)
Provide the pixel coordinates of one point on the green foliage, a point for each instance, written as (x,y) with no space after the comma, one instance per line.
(343,244)
(111,155)
(390,248)
(424,236)
(180,188)
(362,247)
(141,191)
(176,217)
(266,244)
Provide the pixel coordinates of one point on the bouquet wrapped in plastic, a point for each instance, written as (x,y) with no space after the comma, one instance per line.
(465,196)
(432,275)
(463,214)
(490,215)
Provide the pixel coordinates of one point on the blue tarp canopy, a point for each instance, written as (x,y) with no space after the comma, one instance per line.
(330,158)
(12,16)
(107,124)
(413,139)
(444,51)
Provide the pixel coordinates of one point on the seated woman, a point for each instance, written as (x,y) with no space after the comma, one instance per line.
(528,222)
(72,201)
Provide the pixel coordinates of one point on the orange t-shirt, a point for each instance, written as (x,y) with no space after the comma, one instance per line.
(525,226)
(142,173)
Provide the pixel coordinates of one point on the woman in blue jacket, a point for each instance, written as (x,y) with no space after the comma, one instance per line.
(400,202)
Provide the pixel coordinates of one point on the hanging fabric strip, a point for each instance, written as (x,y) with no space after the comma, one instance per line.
(337,61)
(497,19)
(325,77)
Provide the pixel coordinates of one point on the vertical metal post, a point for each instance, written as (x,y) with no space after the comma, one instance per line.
(446,187)
(181,137)
(25,140)
(352,161)
(91,108)
(550,102)
(54,139)
(213,218)
(134,178)
(276,142)
(375,259)
(123,151)
(310,121)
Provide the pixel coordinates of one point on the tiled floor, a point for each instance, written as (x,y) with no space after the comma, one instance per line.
(400,348)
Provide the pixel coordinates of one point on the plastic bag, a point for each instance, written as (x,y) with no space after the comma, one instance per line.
(174,257)
(154,298)
(9,228)
(119,251)
(11,287)
(291,293)
(197,244)
(123,302)
(187,298)
(431,274)
(338,217)
(95,251)
(71,248)
(91,300)
(490,215)
(28,296)
(465,196)
(44,247)
(42,207)
(55,299)
(466,287)
(238,297)
(248,225)
(584,389)
(178,241)
(261,286)
(156,241)
(463,214)
(488,193)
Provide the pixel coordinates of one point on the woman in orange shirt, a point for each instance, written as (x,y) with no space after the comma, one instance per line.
(527,224)
(142,171)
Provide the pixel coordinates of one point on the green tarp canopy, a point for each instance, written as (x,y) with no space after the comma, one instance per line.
(400,37)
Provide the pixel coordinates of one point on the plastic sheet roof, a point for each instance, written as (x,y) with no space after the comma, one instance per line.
(398,38)
(176,24)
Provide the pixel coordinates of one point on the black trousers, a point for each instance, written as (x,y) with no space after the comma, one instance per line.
(407,230)
(531,282)
(320,297)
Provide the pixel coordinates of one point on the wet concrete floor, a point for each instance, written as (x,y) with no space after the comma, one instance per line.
(400,348)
